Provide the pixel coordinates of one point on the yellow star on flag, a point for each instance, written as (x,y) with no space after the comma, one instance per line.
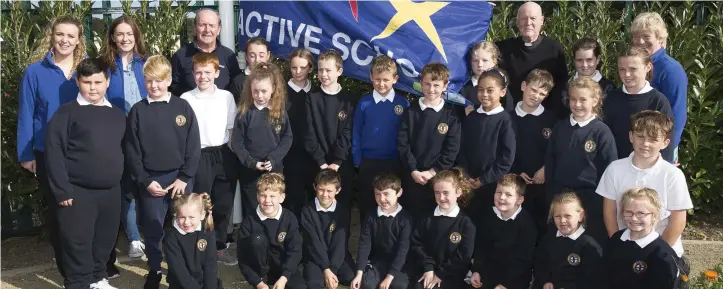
(420,13)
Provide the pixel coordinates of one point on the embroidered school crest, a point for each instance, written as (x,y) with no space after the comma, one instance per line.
(573,259)
(398,109)
(590,146)
(180,120)
(342,115)
(442,128)
(201,244)
(546,132)
(639,267)
(277,128)
(455,237)
(332,227)
(281,237)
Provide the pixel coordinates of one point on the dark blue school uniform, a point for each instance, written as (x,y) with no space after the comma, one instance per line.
(573,261)
(645,263)
(383,247)
(296,169)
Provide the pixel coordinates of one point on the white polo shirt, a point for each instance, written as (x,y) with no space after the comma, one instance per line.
(666,179)
(215,114)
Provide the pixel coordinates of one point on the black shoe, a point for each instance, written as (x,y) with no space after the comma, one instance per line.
(112,272)
(153,280)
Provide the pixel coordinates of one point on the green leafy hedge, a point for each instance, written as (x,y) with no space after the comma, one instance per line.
(696,36)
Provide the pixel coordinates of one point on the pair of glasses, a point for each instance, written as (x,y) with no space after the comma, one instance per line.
(638,215)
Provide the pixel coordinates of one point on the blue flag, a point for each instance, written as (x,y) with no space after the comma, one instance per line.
(411,33)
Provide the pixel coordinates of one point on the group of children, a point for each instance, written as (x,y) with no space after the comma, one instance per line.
(441,188)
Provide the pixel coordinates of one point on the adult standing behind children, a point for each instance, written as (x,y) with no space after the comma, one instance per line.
(207,27)
(125,54)
(530,50)
(46,84)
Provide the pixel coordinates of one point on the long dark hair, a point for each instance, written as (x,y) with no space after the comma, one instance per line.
(110,48)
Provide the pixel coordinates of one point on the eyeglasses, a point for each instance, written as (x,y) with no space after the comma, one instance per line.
(638,215)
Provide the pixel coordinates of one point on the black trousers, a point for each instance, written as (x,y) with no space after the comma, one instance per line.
(368,170)
(535,204)
(376,272)
(88,232)
(216,175)
(447,283)
(299,181)
(256,249)
(418,199)
(314,275)
(51,221)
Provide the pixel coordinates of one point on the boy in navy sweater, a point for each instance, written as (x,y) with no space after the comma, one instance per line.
(163,147)
(376,125)
(269,239)
(329,112)
(325,226)
(384,239)
(533,124)
(428,140)
(84,158)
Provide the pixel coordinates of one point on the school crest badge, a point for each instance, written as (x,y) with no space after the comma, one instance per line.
(455,237)
(281,237)
(573,259)
(180,120)
(442,128)
(202,244)
(342,115)
(332,227)
(639,267)
(590,146)
(546,132)
(398,109)
(277,129)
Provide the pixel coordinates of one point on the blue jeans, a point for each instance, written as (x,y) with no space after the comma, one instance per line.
(129,219)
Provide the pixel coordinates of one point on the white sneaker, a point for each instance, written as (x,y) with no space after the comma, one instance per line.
(135,249)
(102,284)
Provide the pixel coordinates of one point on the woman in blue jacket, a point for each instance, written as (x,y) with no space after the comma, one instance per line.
(48,83)
(125,53)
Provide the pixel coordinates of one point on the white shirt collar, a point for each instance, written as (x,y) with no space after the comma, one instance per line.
(655,167)
(521,113)
(259,107)
(596,77)
(263,217)
(83,102)
(320,209)
(494,111)
(474,80)
(166,98)
(499,214)
(331,92)
(646,88)
(379,98)
(436,108)
(247,71)
(574,235)
(181,231)
(642,242)
(452,214)
(582,123)
(297,88)
(198,93)
(380,213)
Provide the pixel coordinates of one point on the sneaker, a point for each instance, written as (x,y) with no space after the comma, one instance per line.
(112,272)
(225,258)
(102,284)
(153,280)
(135,249)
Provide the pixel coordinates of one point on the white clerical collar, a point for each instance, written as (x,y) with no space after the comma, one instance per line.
(320,209)
(646,88)
(264,217)
(181,231)
(381,213)
(474,80)
(574,235)
(166,98)
(596,77)
(198,93)
(499,214)
(259,107)
(379,98)
(436,108)
(83,102)
(642,242)
(521,113)
(247,71)
(573,122)
(452,214)
(331,92)
(297,88)
(494,111)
